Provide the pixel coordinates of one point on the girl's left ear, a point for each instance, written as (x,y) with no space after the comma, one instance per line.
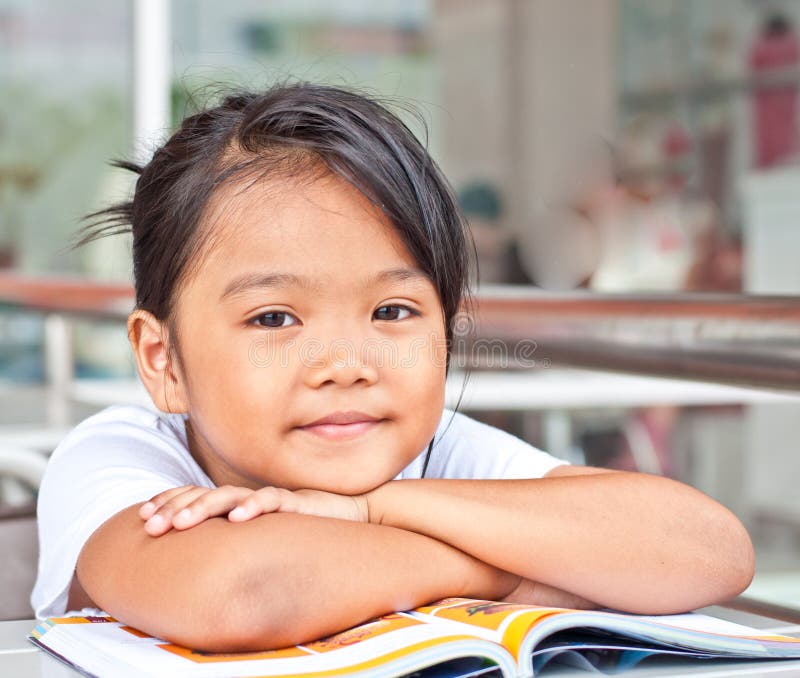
(160,374)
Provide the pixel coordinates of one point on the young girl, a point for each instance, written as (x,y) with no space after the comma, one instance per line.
(299,263)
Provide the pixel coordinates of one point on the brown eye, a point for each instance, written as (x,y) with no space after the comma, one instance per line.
(273,319)
(394,313)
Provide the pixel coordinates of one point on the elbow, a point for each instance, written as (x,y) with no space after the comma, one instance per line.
(720,568)
(734,558)
(249,612)
(208,588)
(717,565)
(216,608)
(232,632)
(745,560)
(253,623)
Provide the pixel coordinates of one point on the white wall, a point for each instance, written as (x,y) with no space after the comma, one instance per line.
(537,79)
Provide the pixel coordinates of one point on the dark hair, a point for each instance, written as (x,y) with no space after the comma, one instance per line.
(289,128)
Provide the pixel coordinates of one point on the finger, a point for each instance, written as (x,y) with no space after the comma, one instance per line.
(265,500)
(154,503)
(161,521)
(213,503)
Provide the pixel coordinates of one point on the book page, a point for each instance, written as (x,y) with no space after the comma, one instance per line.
(513,625)
(693,633)
(702,622)
(496,621)
(397,640)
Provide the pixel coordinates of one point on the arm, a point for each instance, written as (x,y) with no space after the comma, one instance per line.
(631,541)
(273,581)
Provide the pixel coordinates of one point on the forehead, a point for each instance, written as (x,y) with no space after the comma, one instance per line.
(319,229)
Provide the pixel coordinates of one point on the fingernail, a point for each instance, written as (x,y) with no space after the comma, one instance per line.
(238,512)
(184,515)
(156,522)
(147,508)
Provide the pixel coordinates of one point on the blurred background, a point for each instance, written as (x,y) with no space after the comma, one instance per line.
(633,150)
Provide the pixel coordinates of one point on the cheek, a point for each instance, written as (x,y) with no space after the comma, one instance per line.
(420,381)
(423,358)
(239,377)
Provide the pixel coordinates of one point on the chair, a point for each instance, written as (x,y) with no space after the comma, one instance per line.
(19,545)
(19,552)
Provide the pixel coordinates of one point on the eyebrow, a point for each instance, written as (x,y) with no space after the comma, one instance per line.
(271,281)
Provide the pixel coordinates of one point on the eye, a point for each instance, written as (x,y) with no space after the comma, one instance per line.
(394,312)
(274,319)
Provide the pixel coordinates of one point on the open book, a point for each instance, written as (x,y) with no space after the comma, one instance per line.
(457,636)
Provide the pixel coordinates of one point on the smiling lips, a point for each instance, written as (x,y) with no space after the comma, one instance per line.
(342,425)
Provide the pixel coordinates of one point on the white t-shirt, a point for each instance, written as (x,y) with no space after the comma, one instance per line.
(126,454)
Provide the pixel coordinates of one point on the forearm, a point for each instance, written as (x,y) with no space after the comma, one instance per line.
(274,581)
(630,541)
(342,573)
(535,593)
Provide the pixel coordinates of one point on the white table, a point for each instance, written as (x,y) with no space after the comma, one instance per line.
(20,659)
(556,392)
(563,388)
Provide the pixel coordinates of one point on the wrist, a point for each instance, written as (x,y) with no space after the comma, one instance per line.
(491,583)
(361,503)
(375,504)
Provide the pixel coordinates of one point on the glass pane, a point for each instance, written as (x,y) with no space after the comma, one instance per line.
(64,101)
(707,147)
(385,48)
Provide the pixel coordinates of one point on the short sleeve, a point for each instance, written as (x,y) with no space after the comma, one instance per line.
(117,458)
(468,449)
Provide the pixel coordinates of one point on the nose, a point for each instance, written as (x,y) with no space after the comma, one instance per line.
(341,361)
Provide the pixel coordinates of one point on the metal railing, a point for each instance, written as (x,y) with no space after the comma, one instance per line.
(746,340)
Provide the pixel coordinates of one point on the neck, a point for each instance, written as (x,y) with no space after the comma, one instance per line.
(220,472)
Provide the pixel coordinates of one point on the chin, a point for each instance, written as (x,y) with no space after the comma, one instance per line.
(353,486)
(360,488)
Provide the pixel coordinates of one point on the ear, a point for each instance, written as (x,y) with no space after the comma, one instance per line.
(159,372)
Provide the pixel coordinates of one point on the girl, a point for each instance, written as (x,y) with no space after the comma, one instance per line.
(299,262)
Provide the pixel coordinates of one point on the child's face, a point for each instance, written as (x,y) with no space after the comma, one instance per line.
(272,356)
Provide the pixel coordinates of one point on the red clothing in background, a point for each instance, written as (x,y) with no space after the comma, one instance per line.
(775,108)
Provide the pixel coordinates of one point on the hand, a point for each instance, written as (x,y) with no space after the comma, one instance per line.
(530,592)
(184,507)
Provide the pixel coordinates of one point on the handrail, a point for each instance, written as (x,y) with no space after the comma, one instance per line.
(749,340)
(507,300)
(83,296)
(78,297)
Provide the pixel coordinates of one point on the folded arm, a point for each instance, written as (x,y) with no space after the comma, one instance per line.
(630,541)
(579,537)
(276,580)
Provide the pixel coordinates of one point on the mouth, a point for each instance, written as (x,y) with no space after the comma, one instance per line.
(341,431)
